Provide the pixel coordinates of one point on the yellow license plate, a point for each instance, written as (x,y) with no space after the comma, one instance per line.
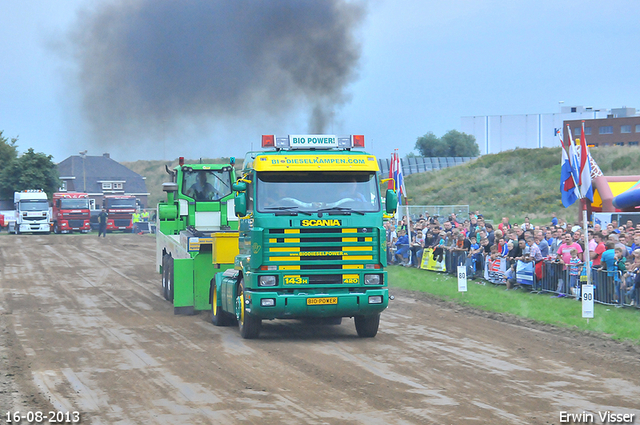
(322,301)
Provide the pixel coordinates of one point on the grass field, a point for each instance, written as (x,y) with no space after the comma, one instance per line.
(617,323)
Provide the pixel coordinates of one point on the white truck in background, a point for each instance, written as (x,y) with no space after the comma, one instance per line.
(32,212)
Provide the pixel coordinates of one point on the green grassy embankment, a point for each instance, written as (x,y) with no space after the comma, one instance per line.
(517,183)
(617,323)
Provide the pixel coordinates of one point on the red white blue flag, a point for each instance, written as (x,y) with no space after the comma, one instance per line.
(586,186)
(396,169)
(568,173)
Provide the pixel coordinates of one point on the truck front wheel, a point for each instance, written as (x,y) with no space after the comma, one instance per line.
(56,229)
(249,325)
(219,317)
(367,326)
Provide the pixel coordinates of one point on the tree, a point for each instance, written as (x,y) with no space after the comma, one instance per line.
(429,145)
(454,143)
(8,150)
(460,144)
(30,171)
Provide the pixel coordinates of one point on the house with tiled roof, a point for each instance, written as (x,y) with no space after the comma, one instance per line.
(99,176)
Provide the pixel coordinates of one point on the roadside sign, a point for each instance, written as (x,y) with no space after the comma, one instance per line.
(462,278)
(587,301)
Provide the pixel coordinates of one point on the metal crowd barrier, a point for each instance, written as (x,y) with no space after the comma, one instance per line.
(631,292)
(609,286)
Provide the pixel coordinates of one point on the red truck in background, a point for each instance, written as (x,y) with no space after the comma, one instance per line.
(71,212)
(5,218)
(120,209)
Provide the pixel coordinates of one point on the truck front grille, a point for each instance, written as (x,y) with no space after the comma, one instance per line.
(34,218)
(321,249)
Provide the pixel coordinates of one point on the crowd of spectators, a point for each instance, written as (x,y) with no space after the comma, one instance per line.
(615,248)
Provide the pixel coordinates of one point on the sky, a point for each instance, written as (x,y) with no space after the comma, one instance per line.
(418,67)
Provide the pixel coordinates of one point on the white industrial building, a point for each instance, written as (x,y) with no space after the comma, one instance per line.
(497,133)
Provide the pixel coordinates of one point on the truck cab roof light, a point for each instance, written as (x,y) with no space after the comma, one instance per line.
(344,142)
(268,141)
(358,141)
(181,161)
(282,142)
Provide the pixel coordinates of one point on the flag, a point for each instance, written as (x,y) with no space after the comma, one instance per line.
(398,178)
(392,182)
(568,190)
(573,161)
(586,187)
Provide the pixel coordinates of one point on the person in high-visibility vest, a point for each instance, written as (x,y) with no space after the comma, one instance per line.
(135,219)
(144,216)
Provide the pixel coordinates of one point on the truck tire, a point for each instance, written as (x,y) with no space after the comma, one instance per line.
(16,229)
(219,317)
(367,326)
(56,229)
(248,324)
(165,294)
(170,278)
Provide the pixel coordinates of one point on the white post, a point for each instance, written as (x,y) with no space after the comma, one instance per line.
(586,292)
(587,257)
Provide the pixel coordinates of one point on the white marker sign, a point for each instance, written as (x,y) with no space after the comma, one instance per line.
(462,278)
(587,301)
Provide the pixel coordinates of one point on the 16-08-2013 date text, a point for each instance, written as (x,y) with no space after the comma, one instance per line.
(37,417)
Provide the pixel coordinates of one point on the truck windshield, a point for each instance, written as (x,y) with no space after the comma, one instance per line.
(122,203)
(207,185)
(317,191)
(34,205)
(74,203)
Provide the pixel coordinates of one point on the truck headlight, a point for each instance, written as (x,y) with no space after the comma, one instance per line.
(267,281)
(375,299)
(372,279)
(267,302)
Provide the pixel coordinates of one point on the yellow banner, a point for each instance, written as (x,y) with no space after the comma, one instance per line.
(319,162)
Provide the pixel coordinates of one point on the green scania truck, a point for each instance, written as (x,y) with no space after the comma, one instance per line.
(311,240)
(196,233)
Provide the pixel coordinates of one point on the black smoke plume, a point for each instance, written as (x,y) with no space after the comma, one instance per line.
(150,66)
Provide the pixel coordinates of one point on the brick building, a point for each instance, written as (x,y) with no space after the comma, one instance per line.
(620,128)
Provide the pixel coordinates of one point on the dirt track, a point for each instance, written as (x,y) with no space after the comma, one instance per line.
(84,328)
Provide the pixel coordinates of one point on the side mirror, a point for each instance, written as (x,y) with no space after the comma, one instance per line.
(239,186)
(169,187)
(391,202)
(241,205)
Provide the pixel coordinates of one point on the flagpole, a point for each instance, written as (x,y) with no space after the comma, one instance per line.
(408,223)
(583,204)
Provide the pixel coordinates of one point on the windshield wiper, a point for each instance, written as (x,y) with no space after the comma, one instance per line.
(285,210)
(221,181)
(340,210)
